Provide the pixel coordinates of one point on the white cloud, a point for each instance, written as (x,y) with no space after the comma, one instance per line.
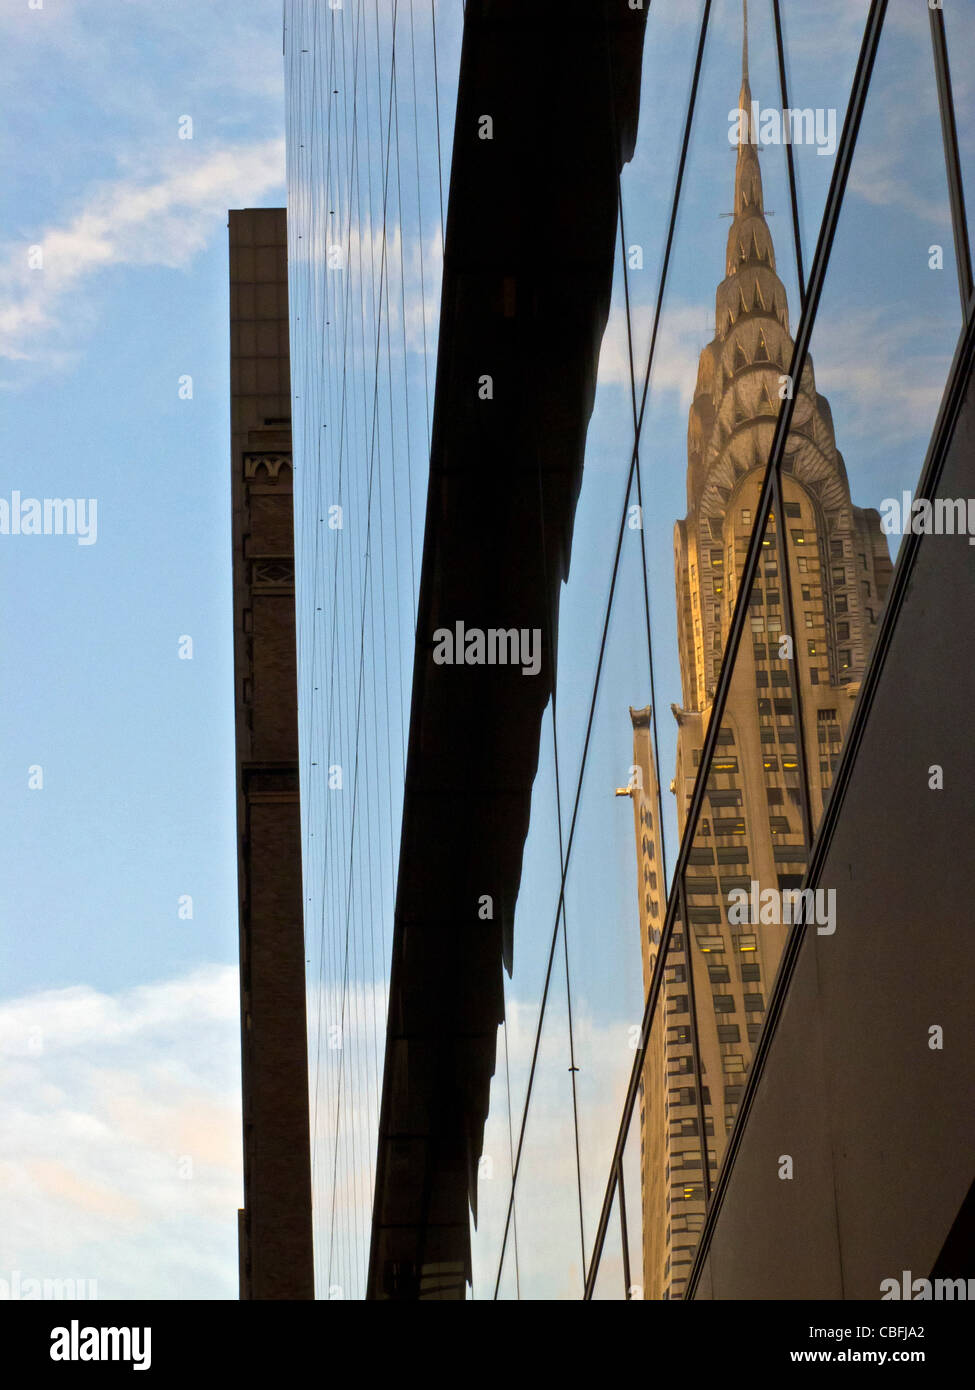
(873,368)
(892,166)
(884,179)
(104,1096)
(412,277)
(684,331)
(164,222)
(546,1210)
(107,1102)
(345,1082)
(882,366)
(547,1204)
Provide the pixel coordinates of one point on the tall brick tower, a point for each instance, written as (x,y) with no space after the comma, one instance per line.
(275,1230)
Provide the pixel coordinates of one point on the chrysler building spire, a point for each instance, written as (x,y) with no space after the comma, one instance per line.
(744,46)
(746,133)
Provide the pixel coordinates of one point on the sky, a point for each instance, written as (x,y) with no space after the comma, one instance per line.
(119,1089)
(119,1056)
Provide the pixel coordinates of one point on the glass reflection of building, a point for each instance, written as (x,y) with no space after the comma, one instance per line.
(751,829)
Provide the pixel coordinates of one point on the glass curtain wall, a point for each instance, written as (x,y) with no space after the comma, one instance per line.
(371,91)
(790,289)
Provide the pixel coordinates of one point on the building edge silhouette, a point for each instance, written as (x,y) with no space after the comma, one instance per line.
(274,1225)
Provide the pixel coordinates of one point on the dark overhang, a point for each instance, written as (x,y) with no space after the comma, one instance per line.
(528,269)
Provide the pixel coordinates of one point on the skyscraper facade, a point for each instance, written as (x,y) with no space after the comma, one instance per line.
(371,91)
(832,557)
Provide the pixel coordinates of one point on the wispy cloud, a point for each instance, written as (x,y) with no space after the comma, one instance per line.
(408,272)
(881,177)
(163,221)
(884,367)
(546,1209)
(346,1043)
(882,372)
(547,1203)
(96,169)
(900,120)
(684,331)
(120,1136)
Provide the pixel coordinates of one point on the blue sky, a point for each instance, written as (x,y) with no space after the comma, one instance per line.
(118,1019)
